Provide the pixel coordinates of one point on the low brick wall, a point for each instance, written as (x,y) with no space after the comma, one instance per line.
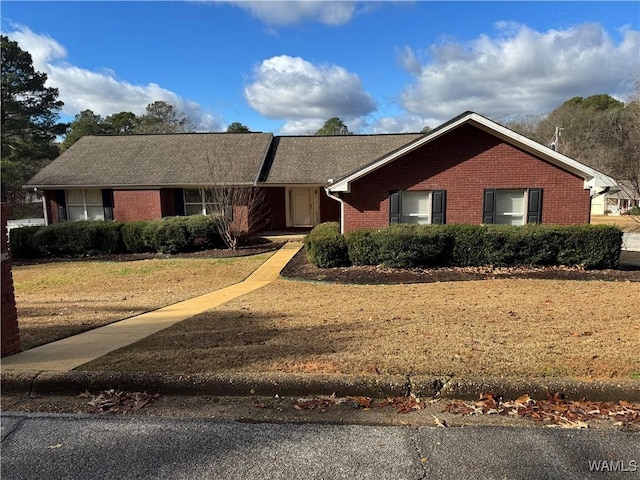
(10,333)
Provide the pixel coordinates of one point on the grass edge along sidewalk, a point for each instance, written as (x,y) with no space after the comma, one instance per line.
(71,352)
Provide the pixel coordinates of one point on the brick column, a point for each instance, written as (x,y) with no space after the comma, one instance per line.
(10,334)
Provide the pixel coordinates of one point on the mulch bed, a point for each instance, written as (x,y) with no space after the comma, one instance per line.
(300,269)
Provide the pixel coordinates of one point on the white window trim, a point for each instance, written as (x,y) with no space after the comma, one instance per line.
(84,204)
(521,215)
(427,215)
(202,203)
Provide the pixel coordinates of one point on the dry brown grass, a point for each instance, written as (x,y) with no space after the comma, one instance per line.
(56,300)
(489,327)
(626,223)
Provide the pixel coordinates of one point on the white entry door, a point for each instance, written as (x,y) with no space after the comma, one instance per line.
(303,206)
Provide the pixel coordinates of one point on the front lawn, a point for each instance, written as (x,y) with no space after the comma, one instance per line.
(56,300)
(493,327)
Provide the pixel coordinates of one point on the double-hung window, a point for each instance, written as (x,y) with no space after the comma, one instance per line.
(85,204)
(512,206)
(200,201)
(419,207)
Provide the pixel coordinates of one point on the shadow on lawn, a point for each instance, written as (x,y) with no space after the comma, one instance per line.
(236,341)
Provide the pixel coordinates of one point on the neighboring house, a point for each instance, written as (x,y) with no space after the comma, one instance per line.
(469,170)
(615,201)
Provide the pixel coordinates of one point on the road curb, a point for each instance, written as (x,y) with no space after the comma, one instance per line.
(541,388)
(378,386)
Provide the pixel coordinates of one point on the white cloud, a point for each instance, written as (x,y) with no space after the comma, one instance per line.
(290,12)
(522,71)
(102,92)
(405,123)
(307,126)
(294,89)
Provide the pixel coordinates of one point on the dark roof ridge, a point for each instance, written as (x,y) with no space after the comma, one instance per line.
(170,134)
(351,136)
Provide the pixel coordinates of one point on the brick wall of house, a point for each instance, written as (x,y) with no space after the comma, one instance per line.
(464,163)
(134,205)
(168,201)
(275,197)
(10,333)
(329,208)
(51,206)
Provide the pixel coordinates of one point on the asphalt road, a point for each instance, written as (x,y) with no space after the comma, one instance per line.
(46,446)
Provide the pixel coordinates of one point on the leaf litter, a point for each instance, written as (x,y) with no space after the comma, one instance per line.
(554,411)
(322,403)
(117,401)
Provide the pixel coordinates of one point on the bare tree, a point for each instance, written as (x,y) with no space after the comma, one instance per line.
(240,206)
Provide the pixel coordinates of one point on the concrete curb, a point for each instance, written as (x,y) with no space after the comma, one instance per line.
(379,386)
(541,388)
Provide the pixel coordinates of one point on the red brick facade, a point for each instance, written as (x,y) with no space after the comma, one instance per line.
(10,332)
(464,163)
(134,205)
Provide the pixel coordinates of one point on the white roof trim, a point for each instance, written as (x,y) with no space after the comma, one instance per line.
(592,178)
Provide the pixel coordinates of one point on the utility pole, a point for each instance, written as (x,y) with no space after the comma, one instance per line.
(555,143)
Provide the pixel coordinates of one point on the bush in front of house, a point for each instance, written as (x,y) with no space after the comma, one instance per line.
(593,246)
(137,237)
(203,232)
(410,246)
(69,239)
(414,246)
(363,248)
(75,239)
(326,247)
(21,242)
(634,211)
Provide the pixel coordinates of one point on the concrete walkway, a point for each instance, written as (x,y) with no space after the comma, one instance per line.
(71,352)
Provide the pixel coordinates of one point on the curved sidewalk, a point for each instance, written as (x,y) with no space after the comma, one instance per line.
(69,353)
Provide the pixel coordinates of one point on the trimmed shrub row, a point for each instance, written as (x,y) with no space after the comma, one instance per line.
(412,246)
(74,239)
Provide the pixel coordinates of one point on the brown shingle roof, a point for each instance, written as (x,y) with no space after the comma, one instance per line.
(317,159)
(156,160)
(197,158)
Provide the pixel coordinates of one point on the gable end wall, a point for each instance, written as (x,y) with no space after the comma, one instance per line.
(464,163)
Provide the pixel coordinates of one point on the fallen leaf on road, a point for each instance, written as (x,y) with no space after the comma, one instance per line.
(116,401)
(554,411)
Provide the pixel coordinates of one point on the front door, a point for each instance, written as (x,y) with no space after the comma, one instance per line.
(303,206)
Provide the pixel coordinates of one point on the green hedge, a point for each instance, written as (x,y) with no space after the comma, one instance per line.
(74,239)
(411,246)
(69,239)
(326,247)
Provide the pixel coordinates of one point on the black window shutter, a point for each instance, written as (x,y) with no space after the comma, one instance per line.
(394,207)
(534,206)
(489,206)
(438,207)
(61,200)
(107,203)
(179,201)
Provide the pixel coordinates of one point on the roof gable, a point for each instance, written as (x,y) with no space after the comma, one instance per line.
(320,159)
(592,178)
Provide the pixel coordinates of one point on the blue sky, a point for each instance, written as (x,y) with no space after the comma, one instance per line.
(286,67)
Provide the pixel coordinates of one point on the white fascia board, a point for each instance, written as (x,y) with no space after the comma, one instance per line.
(592,178)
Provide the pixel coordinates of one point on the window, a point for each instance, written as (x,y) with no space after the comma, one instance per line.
(417,207)
(512,206)
(85,204)
(200,202)
(509,207)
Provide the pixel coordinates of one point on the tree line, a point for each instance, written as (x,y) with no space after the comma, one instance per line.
(599,130)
